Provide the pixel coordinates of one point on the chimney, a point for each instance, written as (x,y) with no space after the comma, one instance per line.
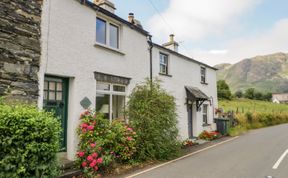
(134,21)
(172,44)
(131,17)
(105,4)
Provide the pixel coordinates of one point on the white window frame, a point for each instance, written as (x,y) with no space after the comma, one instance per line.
(110,92)
(166,65)
(107,42)
(205,114)
(203,75)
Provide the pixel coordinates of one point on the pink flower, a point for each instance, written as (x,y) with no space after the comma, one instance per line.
(99,160)
(94,155)
(84,125)
(81,154)
(90,127)
(94,161)
(129,129)
(92,145)
(89,158)
(96,168)
(129,138)
(92,164)
(84,164)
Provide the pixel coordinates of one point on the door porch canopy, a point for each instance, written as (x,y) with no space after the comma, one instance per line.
(194,94)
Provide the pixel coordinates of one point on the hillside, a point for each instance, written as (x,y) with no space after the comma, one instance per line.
(267,73)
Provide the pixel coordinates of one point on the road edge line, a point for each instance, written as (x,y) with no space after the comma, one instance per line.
(182,157)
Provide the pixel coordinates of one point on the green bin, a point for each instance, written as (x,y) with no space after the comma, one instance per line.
(223,125)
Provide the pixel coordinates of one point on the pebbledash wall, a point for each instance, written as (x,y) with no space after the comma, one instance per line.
(20,49)
(69,50)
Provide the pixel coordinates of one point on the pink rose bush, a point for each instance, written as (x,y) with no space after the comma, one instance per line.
(102,143)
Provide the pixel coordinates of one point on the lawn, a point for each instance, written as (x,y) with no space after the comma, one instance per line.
(246,105)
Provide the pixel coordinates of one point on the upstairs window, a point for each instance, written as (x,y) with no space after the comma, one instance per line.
(107,33)
(203,75)
(163,64)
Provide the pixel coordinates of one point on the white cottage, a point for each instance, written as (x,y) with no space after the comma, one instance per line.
(93,58)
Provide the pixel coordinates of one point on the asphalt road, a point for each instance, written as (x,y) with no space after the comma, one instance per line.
(252,155)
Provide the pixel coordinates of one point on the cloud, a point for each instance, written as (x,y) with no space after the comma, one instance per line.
(197,19)
(269,41)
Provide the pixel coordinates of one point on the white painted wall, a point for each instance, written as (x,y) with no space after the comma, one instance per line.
(187,73)
(71,53)
(68,39)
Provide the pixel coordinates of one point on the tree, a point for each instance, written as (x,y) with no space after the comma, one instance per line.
(238,94)
(223,90)
(258,95)
(250,93)
(267,96)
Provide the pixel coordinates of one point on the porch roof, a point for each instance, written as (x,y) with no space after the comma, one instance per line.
(195,94)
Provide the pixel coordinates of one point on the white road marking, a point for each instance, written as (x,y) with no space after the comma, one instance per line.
(204,149)
(280,160)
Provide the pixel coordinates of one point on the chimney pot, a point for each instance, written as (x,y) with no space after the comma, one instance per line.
(172,37)
(131,17)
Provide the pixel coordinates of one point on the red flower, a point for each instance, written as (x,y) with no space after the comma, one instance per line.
(129,129)
(129,138)
(81,154)
(92,145)
(99,160)
(89,158)
(90,127)
(94,155)
(84,164)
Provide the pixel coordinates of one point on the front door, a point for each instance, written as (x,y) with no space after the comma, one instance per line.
(56,101)
(190,121)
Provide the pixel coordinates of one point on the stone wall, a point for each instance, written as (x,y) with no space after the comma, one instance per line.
(20,48)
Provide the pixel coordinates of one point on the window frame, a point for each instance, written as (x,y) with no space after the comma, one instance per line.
(163,64)
(111,93)
(205,119)
(203,76)
(107,33)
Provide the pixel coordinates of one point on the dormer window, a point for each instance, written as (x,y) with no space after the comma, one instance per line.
(107,33)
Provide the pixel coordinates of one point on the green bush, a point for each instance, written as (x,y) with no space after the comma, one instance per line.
(102,143)
(29,141)
(152,113)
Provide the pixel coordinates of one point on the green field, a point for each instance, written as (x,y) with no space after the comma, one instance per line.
(246,105)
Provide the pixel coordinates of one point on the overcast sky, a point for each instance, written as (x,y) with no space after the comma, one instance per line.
(214,31)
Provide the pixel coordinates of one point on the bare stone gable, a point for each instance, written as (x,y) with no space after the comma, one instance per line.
(20,48)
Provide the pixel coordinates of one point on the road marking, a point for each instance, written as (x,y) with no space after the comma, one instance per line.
(280,160)
(161,165)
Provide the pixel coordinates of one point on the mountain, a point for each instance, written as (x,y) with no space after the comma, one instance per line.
(267,73)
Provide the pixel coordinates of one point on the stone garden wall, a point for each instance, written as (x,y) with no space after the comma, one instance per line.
(20,48)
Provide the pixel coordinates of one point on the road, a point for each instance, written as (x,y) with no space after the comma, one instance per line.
(252,155)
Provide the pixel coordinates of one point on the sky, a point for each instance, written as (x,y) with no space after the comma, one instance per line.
(214,31)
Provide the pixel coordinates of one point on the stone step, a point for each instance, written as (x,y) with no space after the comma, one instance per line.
(70,173)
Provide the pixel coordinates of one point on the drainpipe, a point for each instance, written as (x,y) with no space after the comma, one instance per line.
(150,43)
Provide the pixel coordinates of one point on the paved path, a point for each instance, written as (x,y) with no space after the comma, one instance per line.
(252,155)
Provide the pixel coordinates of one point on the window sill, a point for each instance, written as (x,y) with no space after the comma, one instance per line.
(206,125)
(167,75)
(109,48)
(204,83)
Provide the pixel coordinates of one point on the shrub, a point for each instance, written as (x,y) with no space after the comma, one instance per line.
(205,135)
(152,113)
(102,143)
(29,141)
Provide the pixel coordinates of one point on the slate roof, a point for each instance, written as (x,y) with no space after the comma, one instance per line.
(195,93)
